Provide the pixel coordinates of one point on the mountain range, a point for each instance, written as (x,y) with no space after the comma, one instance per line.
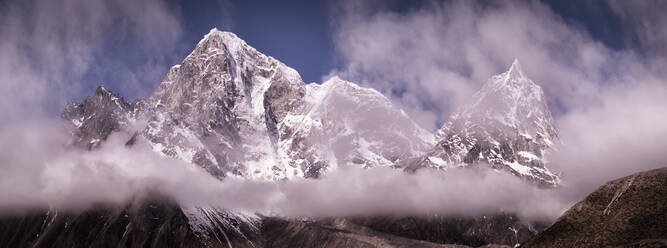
(236,112)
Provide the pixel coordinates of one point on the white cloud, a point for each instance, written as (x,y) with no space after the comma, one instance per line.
(643,24)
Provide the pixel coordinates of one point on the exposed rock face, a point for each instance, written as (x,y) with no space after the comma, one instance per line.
(99,115)
(507,124)
(627,212)
(210,109)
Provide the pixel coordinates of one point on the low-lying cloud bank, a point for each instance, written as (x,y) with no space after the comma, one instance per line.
(41,170)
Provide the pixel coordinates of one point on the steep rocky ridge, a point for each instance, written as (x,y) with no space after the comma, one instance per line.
(627,212)
(98,116)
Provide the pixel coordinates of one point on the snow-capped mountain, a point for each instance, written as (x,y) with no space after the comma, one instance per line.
(507,124)
(234,111)
(238,113)
(211,110)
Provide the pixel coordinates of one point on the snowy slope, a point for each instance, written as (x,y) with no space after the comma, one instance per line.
(340,123)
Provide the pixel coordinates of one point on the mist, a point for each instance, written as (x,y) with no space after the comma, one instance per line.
(41,171)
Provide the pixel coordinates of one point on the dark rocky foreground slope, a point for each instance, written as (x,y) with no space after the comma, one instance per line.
(161,223)
(154,222)
(473,231)
(627,212)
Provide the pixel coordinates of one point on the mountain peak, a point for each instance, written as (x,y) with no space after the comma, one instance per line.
(223,34)
(515,69)
(507,124)
(515,65)
(226,38)
(513,85)
(101,90)
(514,77)
(216,41)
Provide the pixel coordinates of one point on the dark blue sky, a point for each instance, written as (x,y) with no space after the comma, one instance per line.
(299,33)
(295,32)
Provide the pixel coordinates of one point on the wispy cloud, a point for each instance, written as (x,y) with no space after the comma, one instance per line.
(49,48)
(607,102)
(433,58)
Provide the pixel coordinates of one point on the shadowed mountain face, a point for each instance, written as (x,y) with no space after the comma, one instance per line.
(160,223)
(627,212)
